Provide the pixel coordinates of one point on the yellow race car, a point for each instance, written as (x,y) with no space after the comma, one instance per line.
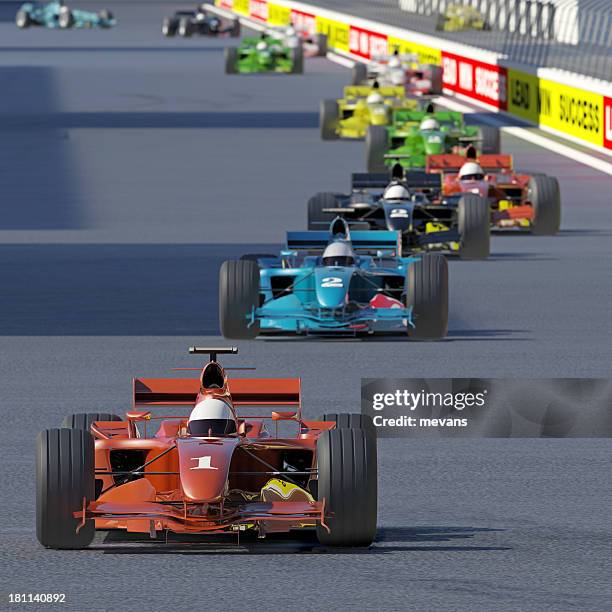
(361,107)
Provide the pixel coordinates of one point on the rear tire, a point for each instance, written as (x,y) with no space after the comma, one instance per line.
(231,60)
(491,140)
(320,41)
(236,29)
(64,478)
(474,227)
(359,74)
(317,219)
(377,145)
(347,481)
(23,20)
(83,420)
(238,295)
(328,119)
(436,80)
(427,293)
(184,28)
(545,198)
(297,58)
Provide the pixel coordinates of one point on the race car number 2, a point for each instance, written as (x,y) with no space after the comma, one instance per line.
(332,281)
(37,598)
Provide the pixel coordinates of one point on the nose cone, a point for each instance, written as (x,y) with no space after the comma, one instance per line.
(332,285)
(398,215)
(204,466)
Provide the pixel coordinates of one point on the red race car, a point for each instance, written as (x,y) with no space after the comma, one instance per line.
(213,470)
(517,200)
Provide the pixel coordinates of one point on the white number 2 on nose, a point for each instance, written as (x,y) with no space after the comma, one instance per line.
(331,281)
(203,463)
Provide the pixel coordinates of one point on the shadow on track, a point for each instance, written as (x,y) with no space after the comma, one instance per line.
(388,540)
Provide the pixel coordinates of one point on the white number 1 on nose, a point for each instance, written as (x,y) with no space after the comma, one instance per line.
(203,463)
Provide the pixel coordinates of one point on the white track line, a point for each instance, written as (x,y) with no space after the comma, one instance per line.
(522,133)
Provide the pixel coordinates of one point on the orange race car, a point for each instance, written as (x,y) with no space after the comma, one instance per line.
(517,200)
(213,470)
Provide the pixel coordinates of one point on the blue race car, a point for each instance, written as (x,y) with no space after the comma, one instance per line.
(58,15)
(336,282)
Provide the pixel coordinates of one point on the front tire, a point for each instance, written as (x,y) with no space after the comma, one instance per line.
(184,28)
(347,481)
(359,74)
(436,80)
(349,420)
(491,140)
(231,60)
(545,197)
(297,59)
(317,218)
(328,119)
(169,27)
(23,20)
(377,145)
(427,293)
(238,296)
(474,227)
(320,40)
(64,482)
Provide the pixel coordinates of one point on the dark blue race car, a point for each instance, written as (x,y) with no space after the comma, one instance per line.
(336,282)
(58,15)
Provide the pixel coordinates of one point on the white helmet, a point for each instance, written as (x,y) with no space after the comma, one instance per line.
(290,31)
(394,62)
(398,77)
(262,45)
(339,254)
(375,98)
(211,417)
(471,171)
(429,124)
(396,191)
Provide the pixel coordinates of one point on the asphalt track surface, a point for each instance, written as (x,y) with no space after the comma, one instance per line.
(130,167)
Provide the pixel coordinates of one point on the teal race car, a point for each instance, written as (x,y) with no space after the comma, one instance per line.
(262,55)
(58,15)
(413,135)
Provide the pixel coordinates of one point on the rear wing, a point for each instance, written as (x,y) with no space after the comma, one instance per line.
(362,241)
(244,391)
(363,91)
(452,163)
(414,179)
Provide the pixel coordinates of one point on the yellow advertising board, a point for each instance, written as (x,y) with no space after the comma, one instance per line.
(427,55)
(278,15)
(241,6)
(337,33)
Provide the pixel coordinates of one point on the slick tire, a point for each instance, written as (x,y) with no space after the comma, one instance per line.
(238,295)
(83,420)
(236,29)
(359,74)
(106,16)
(545,198)
(347,481)
(346,420)
(474,219)
(22,19)
(231,60)
(297,58)
(64,479)
(377,144)
(184,28)
(317,219)
(436,79)
(169,27)
(328,119)
(427,293)
(65,19)
(491,140)
(320,41)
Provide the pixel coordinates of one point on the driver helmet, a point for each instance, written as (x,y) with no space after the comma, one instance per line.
(290,31)
(471,171)
(339,254)
(375,98)
(211,417)
(429,124)
(262,45)
(394,62)
(396,191)
(398,77)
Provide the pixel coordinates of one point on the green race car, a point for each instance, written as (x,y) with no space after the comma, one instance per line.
(262,55)
(361,107)
(413,135)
